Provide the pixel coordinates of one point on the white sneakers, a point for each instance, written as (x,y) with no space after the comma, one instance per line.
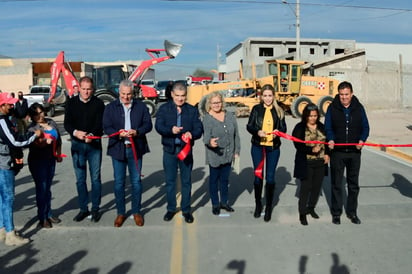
(13,239)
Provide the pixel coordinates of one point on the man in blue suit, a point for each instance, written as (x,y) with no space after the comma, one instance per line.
(130,119)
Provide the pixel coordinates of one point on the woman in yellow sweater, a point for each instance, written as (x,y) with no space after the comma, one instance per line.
(265,118)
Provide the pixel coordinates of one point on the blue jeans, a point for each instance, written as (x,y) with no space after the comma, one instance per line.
(219,180)
(42,171)
(6,199)
(119,171)
(170,165)
(81,154)
(272,159)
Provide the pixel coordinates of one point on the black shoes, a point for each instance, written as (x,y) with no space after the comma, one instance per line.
(336,220)
(227,207)
(188,217)
(54,220)
(81,216)
(96,215)
(216,210)
(354,219)
(302,219)
(45,224)
(312,213)
(169,216)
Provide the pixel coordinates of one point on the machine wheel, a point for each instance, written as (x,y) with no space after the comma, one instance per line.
(324,103)
(151,106)
(106,98)
(298,105)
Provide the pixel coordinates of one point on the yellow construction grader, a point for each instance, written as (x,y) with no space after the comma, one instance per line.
(293,90)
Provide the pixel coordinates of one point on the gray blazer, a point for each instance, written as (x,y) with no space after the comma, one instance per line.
(228,142)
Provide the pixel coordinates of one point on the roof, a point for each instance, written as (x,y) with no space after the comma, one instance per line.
(335,59)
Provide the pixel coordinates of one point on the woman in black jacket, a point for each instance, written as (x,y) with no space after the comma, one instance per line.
(264,119)
(310,161)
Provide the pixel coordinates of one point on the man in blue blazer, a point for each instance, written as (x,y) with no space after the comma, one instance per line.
(177,120)
(128,120)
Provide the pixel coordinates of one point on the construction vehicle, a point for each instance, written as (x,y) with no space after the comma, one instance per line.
(293,91)
(108,78)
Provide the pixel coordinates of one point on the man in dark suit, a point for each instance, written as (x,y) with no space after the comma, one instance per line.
(177,120)
(131,118)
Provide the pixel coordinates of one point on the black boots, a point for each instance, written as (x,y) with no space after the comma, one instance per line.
(258,199)
(270,189)
(302,219)
(312,213)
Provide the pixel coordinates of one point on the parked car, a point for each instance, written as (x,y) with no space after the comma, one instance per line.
(41,93)
(161,87)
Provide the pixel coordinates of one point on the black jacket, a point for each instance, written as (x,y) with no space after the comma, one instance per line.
(21,109)
(301,163)
(256,121)
(166,118)
(346,129)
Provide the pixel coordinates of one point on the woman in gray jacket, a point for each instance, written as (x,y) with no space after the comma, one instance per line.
(222,142)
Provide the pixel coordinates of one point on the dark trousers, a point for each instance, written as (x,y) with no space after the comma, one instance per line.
(310,186)
(42,171)
(338,162)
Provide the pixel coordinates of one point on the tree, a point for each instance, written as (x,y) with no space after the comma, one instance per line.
(202,73)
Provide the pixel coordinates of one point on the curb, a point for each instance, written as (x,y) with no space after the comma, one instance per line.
(394,152)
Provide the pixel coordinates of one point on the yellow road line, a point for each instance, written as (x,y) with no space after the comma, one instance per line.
(192,248)
(191,256)
(176,257)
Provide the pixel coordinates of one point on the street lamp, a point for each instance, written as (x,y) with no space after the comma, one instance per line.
(297,14)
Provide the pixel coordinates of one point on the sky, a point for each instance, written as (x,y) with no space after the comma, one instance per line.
(112,30)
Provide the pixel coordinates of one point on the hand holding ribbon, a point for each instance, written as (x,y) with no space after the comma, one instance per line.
(188,146)
(125,134)
(58,156)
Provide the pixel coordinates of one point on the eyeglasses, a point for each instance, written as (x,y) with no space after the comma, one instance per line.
(216,103)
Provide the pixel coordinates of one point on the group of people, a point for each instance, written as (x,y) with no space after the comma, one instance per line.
(126,121)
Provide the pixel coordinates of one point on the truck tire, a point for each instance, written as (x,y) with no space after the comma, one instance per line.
(324,103)
(298,105)
(151,106)
(106,98)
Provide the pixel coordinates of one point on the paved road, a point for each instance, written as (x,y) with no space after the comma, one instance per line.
(235,243)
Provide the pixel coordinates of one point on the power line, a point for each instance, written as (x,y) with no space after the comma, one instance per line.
(302,4)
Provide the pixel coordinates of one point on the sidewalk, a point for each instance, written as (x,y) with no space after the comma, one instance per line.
(391,127)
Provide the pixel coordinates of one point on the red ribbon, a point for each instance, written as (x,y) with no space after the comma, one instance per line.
(294,139)
(54,143)
(136,159)
(259,168)
(186,149)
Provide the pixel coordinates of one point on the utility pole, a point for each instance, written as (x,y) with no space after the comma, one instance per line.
(297,30)
(297,15)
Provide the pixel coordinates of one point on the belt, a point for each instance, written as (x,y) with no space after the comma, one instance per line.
(128,145)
